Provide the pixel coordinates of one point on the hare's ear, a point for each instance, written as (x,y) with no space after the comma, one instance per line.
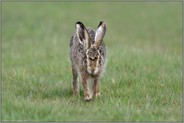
(100,33)
(83,35)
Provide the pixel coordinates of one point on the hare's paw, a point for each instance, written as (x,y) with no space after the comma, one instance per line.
(97,94)
(87,97)
(75,93)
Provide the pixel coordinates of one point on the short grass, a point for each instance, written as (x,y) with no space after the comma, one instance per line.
(143,78)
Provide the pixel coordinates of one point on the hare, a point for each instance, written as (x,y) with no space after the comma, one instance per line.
(88,57)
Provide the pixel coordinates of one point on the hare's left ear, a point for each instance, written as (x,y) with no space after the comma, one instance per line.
(83,35)
(100,33)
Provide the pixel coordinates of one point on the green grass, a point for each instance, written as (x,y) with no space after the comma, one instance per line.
(143,78)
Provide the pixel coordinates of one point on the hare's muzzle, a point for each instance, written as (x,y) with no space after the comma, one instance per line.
(93,71)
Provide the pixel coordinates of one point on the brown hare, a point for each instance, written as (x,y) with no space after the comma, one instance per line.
(88,57)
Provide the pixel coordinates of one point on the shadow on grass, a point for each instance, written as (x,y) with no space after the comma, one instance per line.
(57,93)
(62,93)
(45,92)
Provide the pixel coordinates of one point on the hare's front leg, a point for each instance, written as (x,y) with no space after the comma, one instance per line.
(87,96)
(96,88)
(75,82)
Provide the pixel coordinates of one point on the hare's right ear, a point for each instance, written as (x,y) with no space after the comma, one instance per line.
(82,34)
(100,33)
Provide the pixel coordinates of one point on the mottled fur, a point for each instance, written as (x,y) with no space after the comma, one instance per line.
(88,57)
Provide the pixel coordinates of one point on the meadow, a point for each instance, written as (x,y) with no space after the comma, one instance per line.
(143,77)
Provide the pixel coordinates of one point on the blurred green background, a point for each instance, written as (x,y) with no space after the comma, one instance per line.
(143,78)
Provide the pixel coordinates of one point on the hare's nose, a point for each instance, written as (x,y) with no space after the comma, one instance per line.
(92,71)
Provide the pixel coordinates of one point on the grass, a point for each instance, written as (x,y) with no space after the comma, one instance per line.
(143,78)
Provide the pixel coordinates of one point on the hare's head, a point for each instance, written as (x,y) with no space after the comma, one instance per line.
(91,50)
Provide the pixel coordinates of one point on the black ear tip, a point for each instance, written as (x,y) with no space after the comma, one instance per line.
(101,22)
(80,23)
